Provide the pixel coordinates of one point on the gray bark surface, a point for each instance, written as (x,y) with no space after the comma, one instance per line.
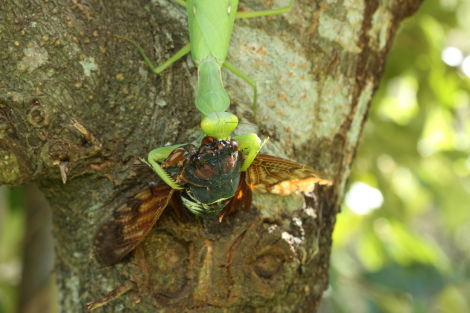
(76,103)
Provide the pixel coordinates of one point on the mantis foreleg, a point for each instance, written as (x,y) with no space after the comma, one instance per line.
(250,144)
(159,155)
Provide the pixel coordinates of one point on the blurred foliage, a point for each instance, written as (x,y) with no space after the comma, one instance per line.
(412,253)
(12,217)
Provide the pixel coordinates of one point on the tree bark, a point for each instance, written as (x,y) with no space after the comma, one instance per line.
(79,105)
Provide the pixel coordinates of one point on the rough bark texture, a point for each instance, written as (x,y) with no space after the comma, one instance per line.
(317,69)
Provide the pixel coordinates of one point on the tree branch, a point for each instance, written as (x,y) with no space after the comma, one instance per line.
(80,104)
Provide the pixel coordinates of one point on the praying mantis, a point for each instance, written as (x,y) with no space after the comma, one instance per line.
(216,178)
(210,26)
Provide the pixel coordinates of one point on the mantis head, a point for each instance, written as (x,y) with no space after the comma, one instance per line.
(219,125)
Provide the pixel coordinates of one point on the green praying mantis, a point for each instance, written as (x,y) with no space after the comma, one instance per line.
(210,25)
(219,175)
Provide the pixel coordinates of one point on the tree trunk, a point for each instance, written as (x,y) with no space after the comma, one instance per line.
(79,105)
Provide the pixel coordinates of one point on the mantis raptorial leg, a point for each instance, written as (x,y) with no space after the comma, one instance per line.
(250,144)
(159,155)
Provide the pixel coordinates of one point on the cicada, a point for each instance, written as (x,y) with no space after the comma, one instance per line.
(212,184)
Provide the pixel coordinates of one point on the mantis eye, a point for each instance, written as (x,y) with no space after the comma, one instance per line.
(219,125)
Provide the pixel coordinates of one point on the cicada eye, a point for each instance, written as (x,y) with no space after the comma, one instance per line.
(234,145)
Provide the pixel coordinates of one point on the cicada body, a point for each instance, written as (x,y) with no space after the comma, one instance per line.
(211,176)
(213,185)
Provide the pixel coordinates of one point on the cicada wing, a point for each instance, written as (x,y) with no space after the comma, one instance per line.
(130,222)
(269,174)
(241,199)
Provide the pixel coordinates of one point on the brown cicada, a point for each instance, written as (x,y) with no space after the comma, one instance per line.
(212,185)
